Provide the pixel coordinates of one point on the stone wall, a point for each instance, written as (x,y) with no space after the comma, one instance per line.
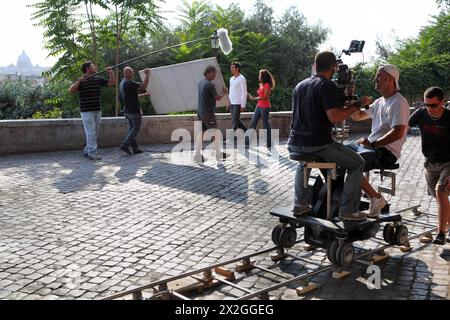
(29,136)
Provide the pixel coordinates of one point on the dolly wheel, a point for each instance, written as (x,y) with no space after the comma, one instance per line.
(332,251)
(288,237)
(276,233)
(401,236)
(345,254)
(388,234)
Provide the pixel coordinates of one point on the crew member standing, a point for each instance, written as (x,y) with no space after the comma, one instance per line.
(132,108)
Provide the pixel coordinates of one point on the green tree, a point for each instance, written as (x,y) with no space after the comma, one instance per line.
(262,19)
(74,37)
(444,4)
(425,60)
(21,99)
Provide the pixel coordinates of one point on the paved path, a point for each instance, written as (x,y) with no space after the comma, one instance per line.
(71,228)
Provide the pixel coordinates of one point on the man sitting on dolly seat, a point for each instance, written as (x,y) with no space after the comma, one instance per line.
(316,107)
(390,115)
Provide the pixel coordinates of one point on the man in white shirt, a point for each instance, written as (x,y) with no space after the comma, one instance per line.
(390,117)
(238,96)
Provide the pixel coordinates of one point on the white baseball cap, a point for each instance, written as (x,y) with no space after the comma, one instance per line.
(393,72)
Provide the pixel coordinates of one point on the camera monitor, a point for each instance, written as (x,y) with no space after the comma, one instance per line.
(356,46)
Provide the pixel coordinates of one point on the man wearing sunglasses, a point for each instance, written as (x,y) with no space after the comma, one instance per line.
(433,121)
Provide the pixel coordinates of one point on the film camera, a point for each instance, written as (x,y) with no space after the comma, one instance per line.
(344,79)
(344,76)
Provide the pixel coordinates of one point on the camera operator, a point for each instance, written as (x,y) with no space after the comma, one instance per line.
(316,107)
(383,147)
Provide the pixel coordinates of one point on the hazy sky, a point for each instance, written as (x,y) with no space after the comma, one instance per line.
(347,20)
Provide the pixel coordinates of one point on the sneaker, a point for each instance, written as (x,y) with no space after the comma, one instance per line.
(300,209)
(376,205)
(94,157)
(357,216)
(125,149)
(440,239)
(138,151)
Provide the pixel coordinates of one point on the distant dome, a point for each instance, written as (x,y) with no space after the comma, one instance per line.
(24,61)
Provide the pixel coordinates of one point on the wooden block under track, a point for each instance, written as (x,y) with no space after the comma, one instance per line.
(405,248)
(308,247)
(228,274)
(185,285)
(426,239)
(340,275)
(379,258)
(306,289)
(241,267)
(279,257)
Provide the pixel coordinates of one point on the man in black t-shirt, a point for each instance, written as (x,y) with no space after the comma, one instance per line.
(316,107)
(434,123)
(132,108)
(90,91)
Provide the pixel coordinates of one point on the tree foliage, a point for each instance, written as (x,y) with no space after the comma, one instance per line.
(23,99)
(75,32)
(424,61)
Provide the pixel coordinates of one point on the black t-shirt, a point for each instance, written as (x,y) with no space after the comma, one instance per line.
(435,135)
(129,96)
(206,97)
(91,94)
(310,124)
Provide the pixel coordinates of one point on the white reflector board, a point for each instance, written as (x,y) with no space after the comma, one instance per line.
(174,88)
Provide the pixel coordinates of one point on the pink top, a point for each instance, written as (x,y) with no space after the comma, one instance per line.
(264,103)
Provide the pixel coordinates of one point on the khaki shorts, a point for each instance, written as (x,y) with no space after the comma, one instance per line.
(436,175)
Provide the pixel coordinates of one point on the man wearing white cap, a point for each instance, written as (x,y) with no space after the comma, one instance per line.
(390,116)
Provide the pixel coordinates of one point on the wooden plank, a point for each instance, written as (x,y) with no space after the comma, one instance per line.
(308,247)
(185,285)
(317,165)
(279,257)
(427,238)
(378,258)
(306,289)
(340,275)
(244,267)
(405,248)
(228,274)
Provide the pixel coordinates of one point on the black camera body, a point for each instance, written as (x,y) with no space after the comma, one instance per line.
(344,76)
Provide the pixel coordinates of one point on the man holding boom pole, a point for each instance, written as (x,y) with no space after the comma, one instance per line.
(90,89)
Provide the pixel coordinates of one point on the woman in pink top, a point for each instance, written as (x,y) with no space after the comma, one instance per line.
(267,84)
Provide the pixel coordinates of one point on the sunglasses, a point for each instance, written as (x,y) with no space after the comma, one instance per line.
(432,106)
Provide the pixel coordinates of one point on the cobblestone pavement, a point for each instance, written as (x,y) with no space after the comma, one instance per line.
(74,229)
